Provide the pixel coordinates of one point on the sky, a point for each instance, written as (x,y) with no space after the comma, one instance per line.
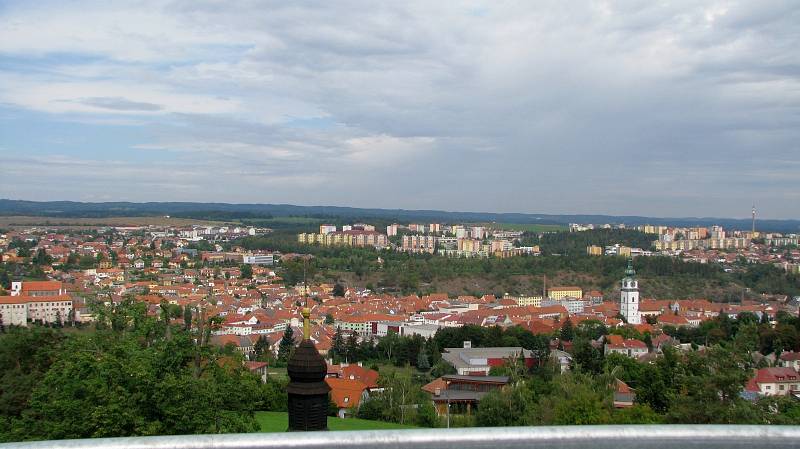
(668,109)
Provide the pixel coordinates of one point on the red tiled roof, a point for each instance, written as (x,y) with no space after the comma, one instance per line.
(771,375)
(345,393)
(22,299)
(790,356)
(38,286)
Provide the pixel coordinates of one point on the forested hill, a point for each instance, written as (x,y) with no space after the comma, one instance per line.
(227,210)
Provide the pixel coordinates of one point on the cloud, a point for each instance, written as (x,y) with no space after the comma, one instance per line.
(636,107)
(119,104)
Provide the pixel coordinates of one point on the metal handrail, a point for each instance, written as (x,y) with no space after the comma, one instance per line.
(562,437)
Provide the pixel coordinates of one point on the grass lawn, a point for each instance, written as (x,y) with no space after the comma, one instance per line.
(279,421)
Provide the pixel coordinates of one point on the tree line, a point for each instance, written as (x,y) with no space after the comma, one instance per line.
(133,375)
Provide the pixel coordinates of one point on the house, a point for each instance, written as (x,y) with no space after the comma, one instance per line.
(628,346)
(669,319)
(470,361)
(368,377)
(37,288)
(777,381)
(563,358)
(460,394)
(347,394)
(662,341)
(790,360)
(624,395)
(259,369)
(242,343)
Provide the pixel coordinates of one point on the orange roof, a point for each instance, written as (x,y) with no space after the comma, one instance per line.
(354,372)
(22,299)
(38,286)
(345,393)
(436,384)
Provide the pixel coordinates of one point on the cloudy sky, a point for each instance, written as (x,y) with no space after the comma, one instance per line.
(683,108)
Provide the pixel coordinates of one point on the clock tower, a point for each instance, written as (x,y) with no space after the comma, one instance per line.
(629,296)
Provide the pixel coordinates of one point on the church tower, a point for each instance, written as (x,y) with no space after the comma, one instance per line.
(629,296)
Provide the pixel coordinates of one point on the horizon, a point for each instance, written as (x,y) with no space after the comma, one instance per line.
(641,109)
(446,211)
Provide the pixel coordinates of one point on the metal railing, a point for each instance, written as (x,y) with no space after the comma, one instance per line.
(595,437)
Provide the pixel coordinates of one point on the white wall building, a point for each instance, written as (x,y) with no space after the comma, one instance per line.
(629,297)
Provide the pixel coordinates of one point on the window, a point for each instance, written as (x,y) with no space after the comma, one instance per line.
(768,387)
(781,387)
(346,399)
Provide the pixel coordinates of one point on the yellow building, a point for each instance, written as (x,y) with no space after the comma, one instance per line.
(564,292)
(535,301)
(594,250)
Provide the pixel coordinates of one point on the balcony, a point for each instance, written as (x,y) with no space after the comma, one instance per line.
(595,437)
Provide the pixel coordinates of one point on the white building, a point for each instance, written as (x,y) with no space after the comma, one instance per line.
(629,297)
(17,310)
(573,305)
(326,229)
(775,381)
(259,259)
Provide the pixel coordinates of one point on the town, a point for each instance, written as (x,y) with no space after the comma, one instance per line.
(203,278)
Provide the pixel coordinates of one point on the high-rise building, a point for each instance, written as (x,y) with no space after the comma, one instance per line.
(629,296)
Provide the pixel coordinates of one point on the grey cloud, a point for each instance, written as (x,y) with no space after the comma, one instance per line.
(119,104)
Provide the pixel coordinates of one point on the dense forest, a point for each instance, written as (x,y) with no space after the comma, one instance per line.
(575,243)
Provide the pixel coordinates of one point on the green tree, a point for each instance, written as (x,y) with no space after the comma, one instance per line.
(586,357)
(442,368)
(247,271)
(261,348)
(286,345)
(187,317)
(507,407)
(567,330)
(422,361)
(42,258)
(338,290)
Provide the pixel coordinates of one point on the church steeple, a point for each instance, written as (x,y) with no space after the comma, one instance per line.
(629,296)
(629,272)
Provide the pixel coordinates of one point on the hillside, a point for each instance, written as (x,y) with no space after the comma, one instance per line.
(225,211)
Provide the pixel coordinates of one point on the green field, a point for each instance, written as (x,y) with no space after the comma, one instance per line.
(279,422)
(532,227)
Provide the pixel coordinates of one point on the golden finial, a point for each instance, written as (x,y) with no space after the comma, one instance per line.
(306,323)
